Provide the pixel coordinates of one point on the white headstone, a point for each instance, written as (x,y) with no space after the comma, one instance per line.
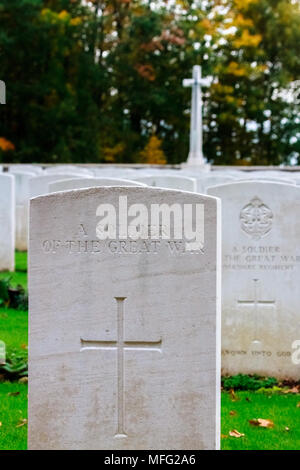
(7,222)
(261,278)
(32,169)
(124,345)
(68,169)
(183,183)
(39,185)
(80,183)
(22,189)
(212,180)
(267,176)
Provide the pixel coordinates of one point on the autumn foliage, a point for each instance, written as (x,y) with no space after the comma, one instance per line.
(101,81)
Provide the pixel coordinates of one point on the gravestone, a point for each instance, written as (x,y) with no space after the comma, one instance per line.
(68,169)
(7,222)
(32,169)
(183,183)
(267,176)
(22,190)
(212,180)
(261,278)
(80,183)
(124,336)
(39,185)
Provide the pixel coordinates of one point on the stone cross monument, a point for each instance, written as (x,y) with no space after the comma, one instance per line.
(196,153)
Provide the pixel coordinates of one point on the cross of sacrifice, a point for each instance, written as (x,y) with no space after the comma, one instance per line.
(196,141)
(120,345)
(256,303)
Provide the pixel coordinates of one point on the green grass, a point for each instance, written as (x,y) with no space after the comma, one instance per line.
(20,274)
(13,412)
(14,329)
(279,408)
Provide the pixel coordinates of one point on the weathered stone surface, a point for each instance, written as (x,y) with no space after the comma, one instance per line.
(7,222)
(261,278)
(183,183)
(68,169)
(22,190)
(39,185)
(81,183)
(124,333)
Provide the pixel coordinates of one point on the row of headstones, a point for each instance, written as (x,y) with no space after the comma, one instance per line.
(258,260)
(130,328)
(32,181)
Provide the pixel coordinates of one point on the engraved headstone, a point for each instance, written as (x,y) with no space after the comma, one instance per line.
(7,222)
(261,278)
(124,315)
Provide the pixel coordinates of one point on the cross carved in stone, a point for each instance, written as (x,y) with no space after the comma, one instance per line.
(256,303)
(120,345)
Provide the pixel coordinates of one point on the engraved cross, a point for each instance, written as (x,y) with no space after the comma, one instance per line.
(256,303)
(120,345)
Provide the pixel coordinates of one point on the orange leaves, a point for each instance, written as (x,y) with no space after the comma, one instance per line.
(111,153)
(235,433)
(173,36)
(152,153)
(146,71)
(262,423)
(244,4)
(236,69)
(247,40)
(6,145)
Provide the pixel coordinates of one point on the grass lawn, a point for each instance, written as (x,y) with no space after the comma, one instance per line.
(282,409)
(13,413)
(237,409)
(20,274)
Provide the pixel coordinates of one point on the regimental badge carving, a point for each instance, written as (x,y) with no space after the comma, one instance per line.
(256,219)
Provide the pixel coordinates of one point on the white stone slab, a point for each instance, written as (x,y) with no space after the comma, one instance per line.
(261,278)
(32,169)
(212,180)
(7,222)
(80,183)
(22,191)
(39,185)
(124,333)
(68,169)
(267,176)
(183,183)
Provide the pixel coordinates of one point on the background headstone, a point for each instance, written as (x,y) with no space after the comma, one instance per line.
(68,169)
(261,277)
(22,190)
(183,183)
(80,183)
(39,185)
(7,222)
